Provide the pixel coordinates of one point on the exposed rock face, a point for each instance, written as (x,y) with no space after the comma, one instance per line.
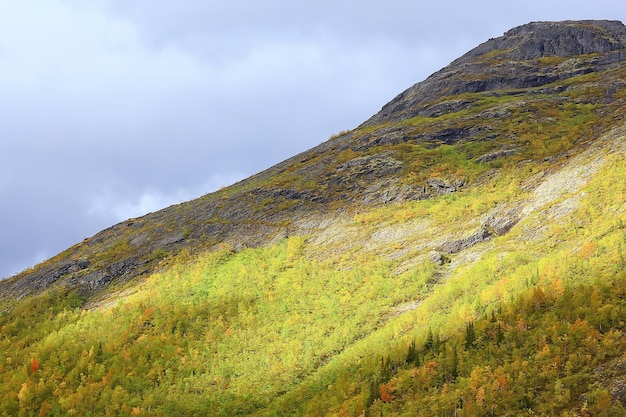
(500,221)
(389,190)
(435,257)
(366,168)
(42,278)
(554,39)
(512,61)
(456,246)
(441,187)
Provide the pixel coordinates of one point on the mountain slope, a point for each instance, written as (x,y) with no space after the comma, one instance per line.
(496,177)
(492,106)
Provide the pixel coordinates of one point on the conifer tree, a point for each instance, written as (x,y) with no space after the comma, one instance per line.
(411,354)
(470,335)
(428,345)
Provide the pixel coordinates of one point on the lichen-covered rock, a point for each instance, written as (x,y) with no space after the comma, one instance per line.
(435,257)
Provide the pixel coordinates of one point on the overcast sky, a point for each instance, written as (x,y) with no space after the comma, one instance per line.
(111,109)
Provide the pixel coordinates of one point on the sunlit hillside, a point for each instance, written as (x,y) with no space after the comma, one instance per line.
(456,255)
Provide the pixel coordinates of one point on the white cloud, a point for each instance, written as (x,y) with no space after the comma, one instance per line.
(114,204)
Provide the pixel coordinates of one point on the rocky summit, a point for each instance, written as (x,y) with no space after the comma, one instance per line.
(461,252)
(528,56)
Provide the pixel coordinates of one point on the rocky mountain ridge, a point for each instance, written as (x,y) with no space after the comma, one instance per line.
(529,56)
(508,102)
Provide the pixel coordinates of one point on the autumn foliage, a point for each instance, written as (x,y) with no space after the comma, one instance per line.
(386,393)
(34,365)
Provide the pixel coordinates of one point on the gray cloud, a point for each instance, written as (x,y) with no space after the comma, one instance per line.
(110,109)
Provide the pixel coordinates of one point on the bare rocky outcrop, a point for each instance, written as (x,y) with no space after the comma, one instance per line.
(513,61)
(435,257)
(492,156)
(441,187)
(364,169)
(554,39)
(456,246)
(41,278)
(499,221)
